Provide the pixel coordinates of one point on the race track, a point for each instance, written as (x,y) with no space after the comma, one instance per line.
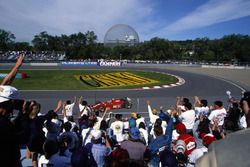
(206,87)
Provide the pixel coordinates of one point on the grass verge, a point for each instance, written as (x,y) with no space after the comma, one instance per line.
(65,80)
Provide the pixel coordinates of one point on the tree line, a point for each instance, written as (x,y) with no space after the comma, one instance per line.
(234,47)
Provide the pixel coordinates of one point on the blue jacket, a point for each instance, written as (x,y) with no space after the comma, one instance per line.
(159,143)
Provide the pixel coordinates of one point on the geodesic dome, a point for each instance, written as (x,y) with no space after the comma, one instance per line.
(121,34)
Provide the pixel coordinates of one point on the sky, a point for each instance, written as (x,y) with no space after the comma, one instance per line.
(169,19)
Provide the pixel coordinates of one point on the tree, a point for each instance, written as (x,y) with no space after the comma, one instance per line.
(6,39)
(41,41)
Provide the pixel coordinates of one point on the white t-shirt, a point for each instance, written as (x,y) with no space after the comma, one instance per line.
(73,124)
(117,127)
(195,154)
(98,123)
(55,161)
(139,120)
(152,117)
(84,109)
(69,109)
(219,115)
(243,122)
(188,118)
(163,125)
(84,133)
(144,134)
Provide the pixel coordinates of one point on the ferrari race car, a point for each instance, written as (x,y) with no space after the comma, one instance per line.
(115,103)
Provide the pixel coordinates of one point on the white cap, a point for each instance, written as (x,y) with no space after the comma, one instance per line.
(96,134)
(7,93)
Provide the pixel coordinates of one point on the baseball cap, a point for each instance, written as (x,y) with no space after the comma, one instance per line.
(135,133)
(180,126)
(207,139)
(7,93)
(96,134)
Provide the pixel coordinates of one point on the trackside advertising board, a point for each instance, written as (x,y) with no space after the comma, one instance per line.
(110,63)
(78,63)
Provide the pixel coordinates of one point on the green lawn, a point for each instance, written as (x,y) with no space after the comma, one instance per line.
(65,80)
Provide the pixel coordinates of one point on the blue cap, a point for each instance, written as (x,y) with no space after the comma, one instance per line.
(134,133)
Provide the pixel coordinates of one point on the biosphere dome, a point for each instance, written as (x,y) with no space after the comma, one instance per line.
(121,34)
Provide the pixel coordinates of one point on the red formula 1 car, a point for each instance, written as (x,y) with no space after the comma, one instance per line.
(115,103)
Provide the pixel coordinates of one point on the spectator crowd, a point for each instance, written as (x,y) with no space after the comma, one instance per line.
(10,56)
(176,137)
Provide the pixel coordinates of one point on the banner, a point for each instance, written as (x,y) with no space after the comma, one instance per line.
(18,75)
(78,63)
(110,63)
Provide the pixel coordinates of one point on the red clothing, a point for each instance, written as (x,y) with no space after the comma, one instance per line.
(189,141)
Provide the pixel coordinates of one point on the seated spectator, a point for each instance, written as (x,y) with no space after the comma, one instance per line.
(200,107)
(218,113)
(187,117)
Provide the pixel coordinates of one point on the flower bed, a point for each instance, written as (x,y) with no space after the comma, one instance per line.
(114,79)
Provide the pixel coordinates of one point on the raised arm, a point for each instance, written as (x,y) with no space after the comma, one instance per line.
(178,100)
(59,105)
(11,76)
(169,129)
(150,111)
(197,101)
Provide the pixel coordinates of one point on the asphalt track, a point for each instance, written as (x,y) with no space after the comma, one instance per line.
(207,87)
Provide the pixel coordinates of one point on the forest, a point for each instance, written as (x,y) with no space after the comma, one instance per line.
(229,48)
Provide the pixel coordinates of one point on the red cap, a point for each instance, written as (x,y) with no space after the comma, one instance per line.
(180,126)
(207,139)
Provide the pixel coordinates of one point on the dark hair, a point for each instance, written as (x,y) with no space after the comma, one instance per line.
(204,102)
(188,106)
(185,100)
(158,130)
(138,116)
(218,103)
(68,102)
(103,125)
(142,125)
(84,103)
(67,126)
(50,147)
(118,116)
(203,126)
(91,122)
(158,122)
